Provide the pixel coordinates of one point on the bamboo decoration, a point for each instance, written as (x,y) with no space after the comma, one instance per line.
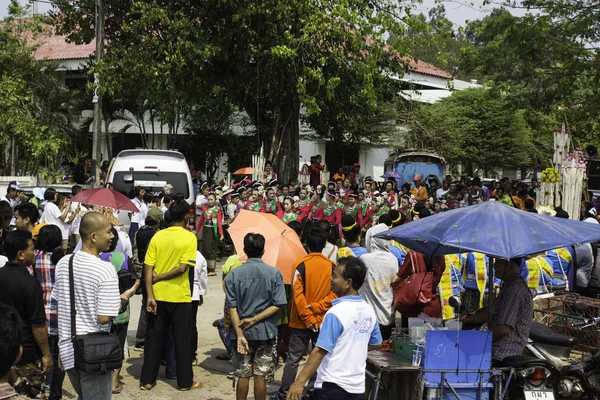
(573,174)
(258,165)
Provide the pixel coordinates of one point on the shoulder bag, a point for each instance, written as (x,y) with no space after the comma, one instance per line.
(413,290)
(96,351)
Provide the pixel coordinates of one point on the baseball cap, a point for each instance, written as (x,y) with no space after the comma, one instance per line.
(155,214)
(14,185)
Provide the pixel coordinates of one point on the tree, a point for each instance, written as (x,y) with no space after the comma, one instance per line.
(35,110)
(270,56)
(538,69)
(477,128)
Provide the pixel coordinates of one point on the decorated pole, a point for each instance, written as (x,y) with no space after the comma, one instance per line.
(573,172)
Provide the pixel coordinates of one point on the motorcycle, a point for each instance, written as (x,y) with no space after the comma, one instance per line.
(546,371)
(564,377)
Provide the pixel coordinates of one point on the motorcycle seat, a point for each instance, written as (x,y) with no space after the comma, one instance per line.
(542,334)
(522,362)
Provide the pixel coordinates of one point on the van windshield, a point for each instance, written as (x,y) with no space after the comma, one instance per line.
(153,181)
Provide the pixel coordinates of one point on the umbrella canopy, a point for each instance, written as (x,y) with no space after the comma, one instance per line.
(244,171)
(391,175)
(282,245)
(105,197)
(494,229)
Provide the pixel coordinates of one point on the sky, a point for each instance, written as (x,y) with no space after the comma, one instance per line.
(457,10)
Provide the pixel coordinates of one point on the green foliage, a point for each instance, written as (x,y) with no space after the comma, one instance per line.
(35,115)
(269,57)
(478,128)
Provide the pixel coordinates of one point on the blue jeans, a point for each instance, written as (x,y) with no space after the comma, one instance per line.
(133,228)
(96,386)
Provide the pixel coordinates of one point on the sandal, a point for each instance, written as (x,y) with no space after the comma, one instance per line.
(149,386)
(195,385)
(117,391)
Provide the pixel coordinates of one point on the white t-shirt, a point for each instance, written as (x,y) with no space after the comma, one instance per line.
(13,202)
(200,199)
(96,293)
(440,192)
(200,277)
(51,216)
(382,268)
(139,217)
(349,327)
(74,228)
(330,251)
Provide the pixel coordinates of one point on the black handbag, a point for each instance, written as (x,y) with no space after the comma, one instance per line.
(97,351)
(126,280)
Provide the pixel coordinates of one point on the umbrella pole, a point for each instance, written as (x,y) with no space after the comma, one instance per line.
(491,292)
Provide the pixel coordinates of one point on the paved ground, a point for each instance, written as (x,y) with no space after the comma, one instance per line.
(210,371)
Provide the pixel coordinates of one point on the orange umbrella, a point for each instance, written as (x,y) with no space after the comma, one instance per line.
(244,171)
(282,245)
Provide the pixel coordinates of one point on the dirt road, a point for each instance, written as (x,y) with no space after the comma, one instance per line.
(210,371)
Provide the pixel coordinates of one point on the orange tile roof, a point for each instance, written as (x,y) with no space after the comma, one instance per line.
(54,47)
(428,69)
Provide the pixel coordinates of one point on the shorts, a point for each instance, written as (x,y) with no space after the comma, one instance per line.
(27,379)
(259,361)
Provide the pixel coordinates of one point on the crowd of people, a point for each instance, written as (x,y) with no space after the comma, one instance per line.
(341,299)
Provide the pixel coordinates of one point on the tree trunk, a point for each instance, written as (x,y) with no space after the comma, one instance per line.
(12,157)
(280,135)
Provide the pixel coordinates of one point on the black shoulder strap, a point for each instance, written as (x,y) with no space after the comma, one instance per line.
(72,294)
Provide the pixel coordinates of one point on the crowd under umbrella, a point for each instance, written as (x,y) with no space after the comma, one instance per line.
(107,198)
(494,229)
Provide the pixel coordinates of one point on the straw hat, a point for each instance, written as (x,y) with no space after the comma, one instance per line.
(108,213)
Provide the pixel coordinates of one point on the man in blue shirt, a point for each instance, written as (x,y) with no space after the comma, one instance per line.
(348,332)
(255,292)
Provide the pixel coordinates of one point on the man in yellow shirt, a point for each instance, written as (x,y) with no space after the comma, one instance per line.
(170,255)
(420,192)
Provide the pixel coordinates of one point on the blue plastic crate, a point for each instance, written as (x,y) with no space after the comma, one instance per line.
(473,353)
(466,391)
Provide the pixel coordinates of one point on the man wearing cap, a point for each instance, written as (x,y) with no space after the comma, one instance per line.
(14,195)
(420,192)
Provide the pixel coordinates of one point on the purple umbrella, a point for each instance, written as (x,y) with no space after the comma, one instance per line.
(391,175)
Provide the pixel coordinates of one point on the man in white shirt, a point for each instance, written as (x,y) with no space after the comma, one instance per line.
(53,215)
(97,302)
(137,219)
(198,290)
(382,270)
(13,195)
(348,332)
(443,190)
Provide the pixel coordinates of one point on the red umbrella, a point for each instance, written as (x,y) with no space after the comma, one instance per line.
(105,197)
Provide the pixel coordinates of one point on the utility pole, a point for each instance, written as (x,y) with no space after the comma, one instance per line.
(97,100)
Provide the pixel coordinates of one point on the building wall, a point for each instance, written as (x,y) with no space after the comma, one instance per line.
(372,160)
(309,148)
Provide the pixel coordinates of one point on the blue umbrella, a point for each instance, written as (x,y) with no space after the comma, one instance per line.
(391,175)
(494,229)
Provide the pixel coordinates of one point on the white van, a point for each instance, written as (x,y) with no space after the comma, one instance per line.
(152,169)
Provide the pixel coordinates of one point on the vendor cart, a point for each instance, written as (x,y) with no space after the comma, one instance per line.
(456,366)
